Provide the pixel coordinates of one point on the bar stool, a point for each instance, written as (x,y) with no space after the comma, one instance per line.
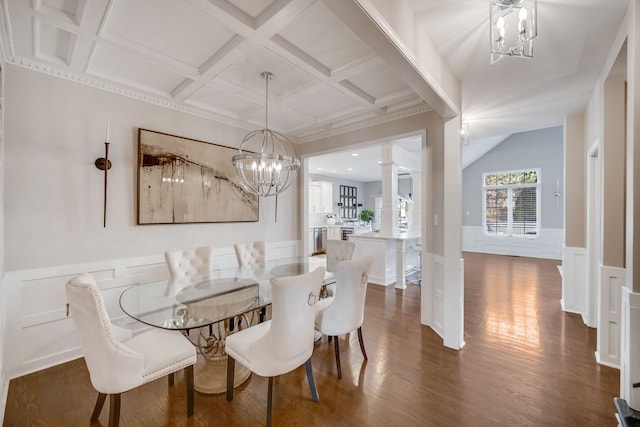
(417,247)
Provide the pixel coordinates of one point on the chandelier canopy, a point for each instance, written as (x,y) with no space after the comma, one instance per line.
(266,162)
(513,28)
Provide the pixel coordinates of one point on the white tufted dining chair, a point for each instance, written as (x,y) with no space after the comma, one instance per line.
(283,343)
(187,263)
(250,253)
(344,312)
(118,361)
(337,250)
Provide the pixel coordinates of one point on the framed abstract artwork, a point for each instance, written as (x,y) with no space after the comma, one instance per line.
(182,180)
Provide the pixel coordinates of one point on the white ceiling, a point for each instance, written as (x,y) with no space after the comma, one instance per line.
(516,94)
(360,164)
(205,57)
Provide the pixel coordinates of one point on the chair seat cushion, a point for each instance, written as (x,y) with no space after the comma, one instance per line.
(153,345)
(238,345)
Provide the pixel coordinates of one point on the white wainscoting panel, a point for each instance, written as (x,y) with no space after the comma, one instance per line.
(574,284)
(612,279)
(426,289)
(4,379)
(548,244)
(383,253)
(437,274)
(42,335)
(630,367)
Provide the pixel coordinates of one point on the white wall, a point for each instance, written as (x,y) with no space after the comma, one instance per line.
(53,208)
(54,193)
(3,300)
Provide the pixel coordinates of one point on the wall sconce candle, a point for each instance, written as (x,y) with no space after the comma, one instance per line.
(104,164)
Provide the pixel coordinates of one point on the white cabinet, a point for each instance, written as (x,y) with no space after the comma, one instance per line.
(310,240)
(333,233)
(361,229)
(315,198)
(327,196)
(321,197)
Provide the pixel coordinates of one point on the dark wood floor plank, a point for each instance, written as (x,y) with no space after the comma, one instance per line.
(525,363)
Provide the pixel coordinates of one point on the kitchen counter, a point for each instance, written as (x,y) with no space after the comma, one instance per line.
(392,258)
(342,231)
(368,227)
(402,235)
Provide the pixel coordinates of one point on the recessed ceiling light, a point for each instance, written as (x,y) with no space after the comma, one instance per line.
(379,162)
(349,169)
(319,169)
(354,154)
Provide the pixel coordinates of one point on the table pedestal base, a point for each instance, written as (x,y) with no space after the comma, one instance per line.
(210,374)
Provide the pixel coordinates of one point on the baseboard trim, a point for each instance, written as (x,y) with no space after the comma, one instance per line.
(603,362)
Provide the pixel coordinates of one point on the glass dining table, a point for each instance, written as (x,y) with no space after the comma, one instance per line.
(213,306)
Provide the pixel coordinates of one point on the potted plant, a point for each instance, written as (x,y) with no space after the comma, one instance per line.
(366,216)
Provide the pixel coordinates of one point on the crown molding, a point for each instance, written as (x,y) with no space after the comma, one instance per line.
(366,123)
(200,112)
(125,91)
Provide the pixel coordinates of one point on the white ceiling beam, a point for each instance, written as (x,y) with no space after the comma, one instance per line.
(227,15)
(364,27)
(280,14)
(214,65)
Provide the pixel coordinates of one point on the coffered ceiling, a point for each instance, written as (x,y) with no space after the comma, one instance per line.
(206,57)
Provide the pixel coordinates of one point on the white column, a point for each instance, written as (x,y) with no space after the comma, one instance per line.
(389,222)
(630,351)
(452,223)
(401,282)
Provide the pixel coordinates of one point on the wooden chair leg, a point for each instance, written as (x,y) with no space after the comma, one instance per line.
(231,367)
(98,407)
(337,350)
(312,383)
(114,409)
(171,379)
(188,374)
(269,401)
(364,353)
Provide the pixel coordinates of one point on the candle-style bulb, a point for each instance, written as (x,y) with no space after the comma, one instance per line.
(106,138)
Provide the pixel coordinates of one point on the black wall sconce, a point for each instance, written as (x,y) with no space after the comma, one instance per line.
(104,164)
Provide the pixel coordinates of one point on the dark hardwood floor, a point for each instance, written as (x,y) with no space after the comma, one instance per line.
(525,363)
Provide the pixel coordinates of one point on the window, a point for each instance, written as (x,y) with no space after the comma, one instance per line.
(348,201)
(511,202)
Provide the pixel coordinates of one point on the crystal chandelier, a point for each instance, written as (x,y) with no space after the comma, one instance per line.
(513,27)
(266,162)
